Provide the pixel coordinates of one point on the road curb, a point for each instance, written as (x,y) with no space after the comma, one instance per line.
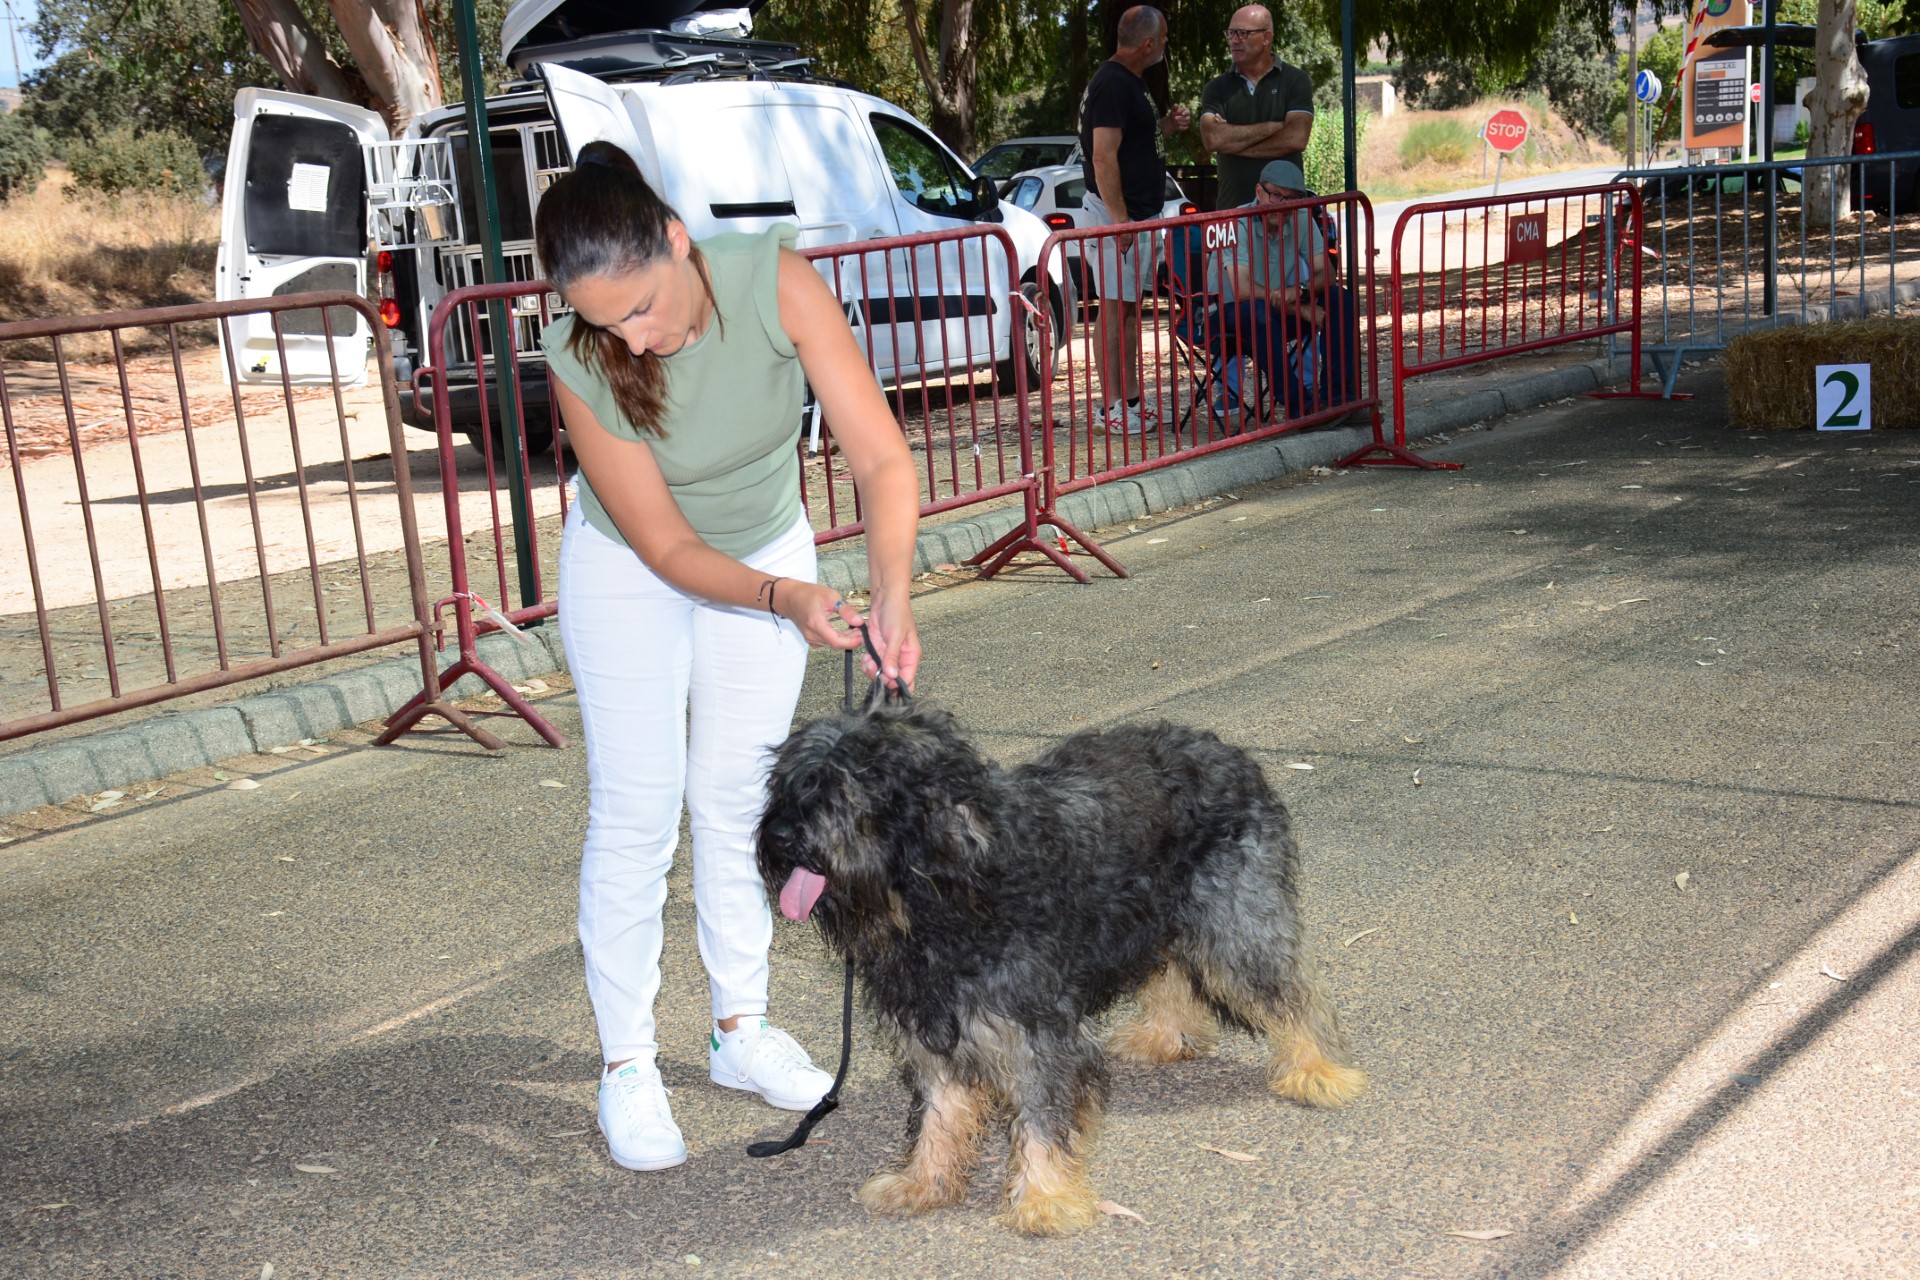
(174,741)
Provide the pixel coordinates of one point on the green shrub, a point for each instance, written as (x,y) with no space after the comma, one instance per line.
(1325,159)
(1800,133)
(23,156)
(121,162)
(1441,141)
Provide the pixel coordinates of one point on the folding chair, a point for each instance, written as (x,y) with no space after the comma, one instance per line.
(1226,385)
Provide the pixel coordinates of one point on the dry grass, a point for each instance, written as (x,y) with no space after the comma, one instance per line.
(1770,375)
(65,256)
(1551,146)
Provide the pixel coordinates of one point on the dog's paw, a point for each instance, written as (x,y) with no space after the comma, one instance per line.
(1320,1083)
(1062,1213)
(896,1193)
(1139,1040)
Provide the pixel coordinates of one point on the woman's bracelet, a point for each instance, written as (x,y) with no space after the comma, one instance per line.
(766,590)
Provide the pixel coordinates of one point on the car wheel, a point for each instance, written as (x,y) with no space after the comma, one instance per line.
(539,438)
(1057,322)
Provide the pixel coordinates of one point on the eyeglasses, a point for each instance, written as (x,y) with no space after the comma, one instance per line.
(1247,33)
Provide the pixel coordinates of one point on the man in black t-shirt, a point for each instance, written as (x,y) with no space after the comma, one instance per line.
(1126,182)
(1261,110)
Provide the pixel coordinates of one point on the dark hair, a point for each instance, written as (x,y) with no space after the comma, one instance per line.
(603,219)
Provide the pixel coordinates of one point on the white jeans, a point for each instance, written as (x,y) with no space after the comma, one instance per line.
(642,654)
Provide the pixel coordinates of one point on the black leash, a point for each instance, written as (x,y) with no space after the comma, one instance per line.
(830,1101)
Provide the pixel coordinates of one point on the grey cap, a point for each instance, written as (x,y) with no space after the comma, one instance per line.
(1284,174)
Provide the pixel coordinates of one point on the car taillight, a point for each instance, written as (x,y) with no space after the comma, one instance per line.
(1188,206)
(1059,222)
(390,313)
(383,262)
(1863,139)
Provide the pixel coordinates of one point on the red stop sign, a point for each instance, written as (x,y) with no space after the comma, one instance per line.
(1506,130)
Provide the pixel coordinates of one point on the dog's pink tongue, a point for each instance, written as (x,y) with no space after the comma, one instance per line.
(802,889)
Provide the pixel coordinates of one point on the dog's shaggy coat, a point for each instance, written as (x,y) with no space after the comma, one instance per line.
(992,913)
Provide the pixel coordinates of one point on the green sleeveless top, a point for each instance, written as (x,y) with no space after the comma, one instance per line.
(732,408)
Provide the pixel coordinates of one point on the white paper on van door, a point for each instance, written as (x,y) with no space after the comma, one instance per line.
(307,188)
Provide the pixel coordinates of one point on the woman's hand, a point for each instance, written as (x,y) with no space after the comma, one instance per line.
(890,625)
(813,608)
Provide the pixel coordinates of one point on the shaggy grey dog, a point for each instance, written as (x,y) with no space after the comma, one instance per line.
(992,913)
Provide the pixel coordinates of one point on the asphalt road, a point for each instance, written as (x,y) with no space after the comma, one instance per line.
(1608,840)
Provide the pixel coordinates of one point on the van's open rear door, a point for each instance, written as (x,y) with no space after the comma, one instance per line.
(589,110)
(294,220)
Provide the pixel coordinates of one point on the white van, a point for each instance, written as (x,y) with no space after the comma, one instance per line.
(736,133)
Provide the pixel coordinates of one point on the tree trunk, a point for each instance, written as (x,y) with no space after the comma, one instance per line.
(391,49)
(279,32)
(951,86)
(1839,96)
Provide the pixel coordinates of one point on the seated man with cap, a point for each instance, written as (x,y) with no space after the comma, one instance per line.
(1276,286)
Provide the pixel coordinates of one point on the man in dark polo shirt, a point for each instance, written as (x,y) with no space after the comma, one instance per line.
(1261,110)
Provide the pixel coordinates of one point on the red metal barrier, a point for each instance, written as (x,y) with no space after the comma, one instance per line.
(1498,276)
(465,364)
(937,315)
(945,326)
(152,505)
(1211,375)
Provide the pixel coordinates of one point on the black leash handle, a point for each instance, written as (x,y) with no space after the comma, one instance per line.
(830,1101)
(822,1108)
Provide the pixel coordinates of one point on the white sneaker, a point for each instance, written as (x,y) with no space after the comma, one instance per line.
(763,1059)
(1128,419)
(635,1117)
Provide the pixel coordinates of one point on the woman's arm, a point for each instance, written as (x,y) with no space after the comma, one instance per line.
(627,480)
(870,439)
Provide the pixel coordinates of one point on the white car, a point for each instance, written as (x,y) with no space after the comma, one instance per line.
(1015,156)
(737,134)
(1056,195)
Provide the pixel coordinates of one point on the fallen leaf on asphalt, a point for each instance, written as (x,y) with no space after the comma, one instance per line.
(1236,520)
(1633,486)
(1636,600)
(571,1133)
(1599,831)
(266,1271)
(692,1259)
(271,914)
(219,775)
(283,858)
(1701,662)
(1516,532)
(111,795)
(521,688)
(49,1208)
(1363,933)
(1296,764)
(1264,600)
(1156,665)
(538,686)
(315,1168)
(102,806)
(1680,881)
(1152,541)
(6,839)
(1412,742)
(1241,1156)
(154,794)
(1416,779)
(554,783)
(1831,974)
(946,568)
(1572,918)
(278,751)
(243,784)
(1113,1210)
(1494,1234)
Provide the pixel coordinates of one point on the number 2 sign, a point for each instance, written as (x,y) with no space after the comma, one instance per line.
(1843,397)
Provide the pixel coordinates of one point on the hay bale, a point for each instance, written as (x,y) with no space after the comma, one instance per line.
(1770,375)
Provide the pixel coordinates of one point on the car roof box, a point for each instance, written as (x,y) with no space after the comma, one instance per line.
(531,23)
